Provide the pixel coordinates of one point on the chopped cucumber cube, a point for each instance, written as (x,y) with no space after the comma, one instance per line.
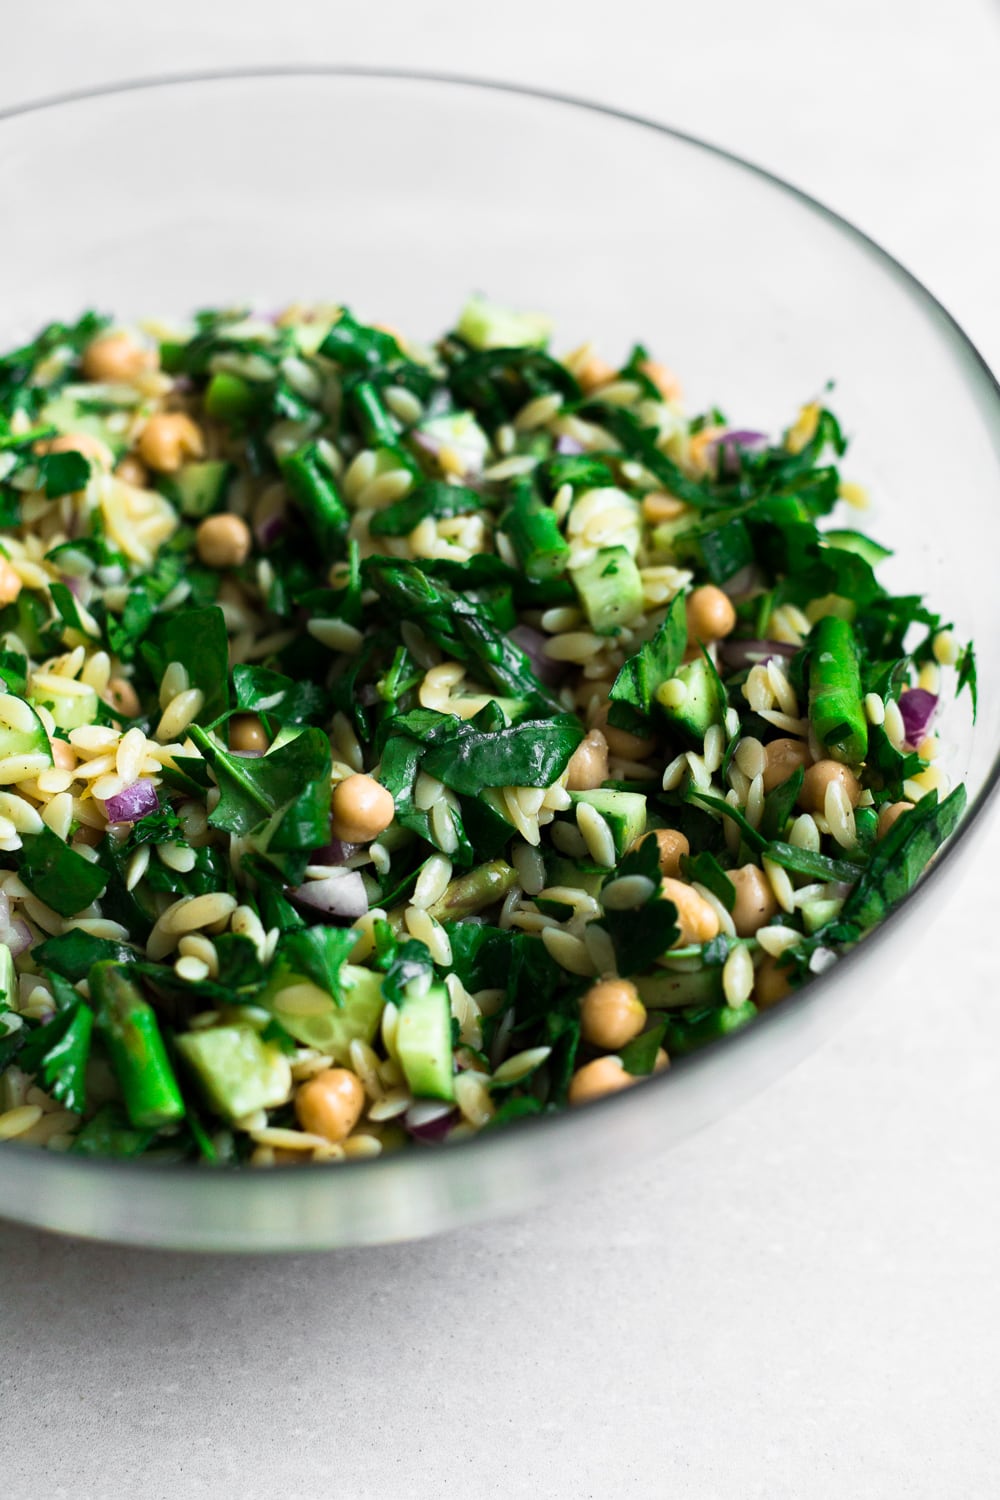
(486,325)
(610,590)
(624,813)
(237,1071)
(423,1041)
(314,1018)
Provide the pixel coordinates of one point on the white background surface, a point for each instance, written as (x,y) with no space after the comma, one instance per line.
(803,1300)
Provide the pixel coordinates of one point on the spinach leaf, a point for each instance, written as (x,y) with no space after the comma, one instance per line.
(56,1054)
(254,790)
(259,690)
(705,868)
(642,674)
(779,804)
(355,346)
(319,953)
(471,754)
(197,638)
(110,1133)
(432,498)
(901,857)
(641,934)
(639,1056)
(58,875)
(814,866)
(72,954)
(63,473)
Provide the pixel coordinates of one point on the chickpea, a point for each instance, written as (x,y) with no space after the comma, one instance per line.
(664,379)
(611,1014)
(223,541)
(122,695)
(710,613)
(887,815)
(10,583)
(246,732)
(131,471)
(116,357)
(755,901)
(63,754)
(697,920)
(782,759)
(657,508)
(360,809)
(330,1104)
(771,984)
(168,438)
(588,765)
(812,797)
(620,741)
(605,1075)
(594,372)
(673,844)
(661,1060)
(78,442)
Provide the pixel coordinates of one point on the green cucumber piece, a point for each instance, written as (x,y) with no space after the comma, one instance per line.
(675,989)
(199,488)
(238,1073)
(703,706)
(22,733)
(487,325)
(610,590)
(328,1027)
(624,813)
(423,1041)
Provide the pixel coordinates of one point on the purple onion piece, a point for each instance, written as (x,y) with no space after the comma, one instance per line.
(428,443)
(132,802)
(743,581)
(917,707)
(247,754)
(18,937)
(737,654)
(268,530)
(532,643)
(739,437)
(428,1124)
(338,897)
(568,445)
(336,852)
(74,584)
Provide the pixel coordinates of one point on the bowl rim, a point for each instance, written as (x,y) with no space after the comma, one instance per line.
(229,1178)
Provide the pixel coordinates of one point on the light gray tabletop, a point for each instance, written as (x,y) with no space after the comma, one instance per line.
(800,1302)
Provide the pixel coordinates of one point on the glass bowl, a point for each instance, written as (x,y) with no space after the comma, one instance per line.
(399,194)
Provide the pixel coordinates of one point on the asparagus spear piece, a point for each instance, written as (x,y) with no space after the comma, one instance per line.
(135,1046)
(534,532)
(314,489)
(470,893)
(835,705)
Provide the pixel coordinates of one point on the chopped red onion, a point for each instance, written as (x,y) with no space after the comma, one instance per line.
(247,754)
(532,643)
(18,937)
(743,581)
(568,445)
(428,441)
(429,1122)
(339,896)
(75,585)
(739,437)
(336,852)
(268,530)
(917,707)
(13,931)
(729,445)
(737,654)
(132,802)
